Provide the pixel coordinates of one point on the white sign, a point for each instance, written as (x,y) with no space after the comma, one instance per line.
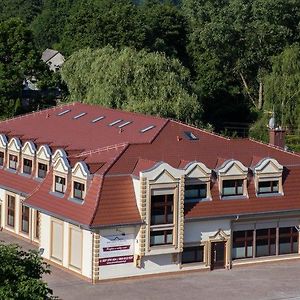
(116,249)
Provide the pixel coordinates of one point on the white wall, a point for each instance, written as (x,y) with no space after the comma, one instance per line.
(45,225)
(196,231)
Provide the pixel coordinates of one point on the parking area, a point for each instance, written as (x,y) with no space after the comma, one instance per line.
(272,281)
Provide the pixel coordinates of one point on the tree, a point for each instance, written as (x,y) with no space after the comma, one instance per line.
(18,60)
(132,80)
(231,42)
(21,274)
(97,23)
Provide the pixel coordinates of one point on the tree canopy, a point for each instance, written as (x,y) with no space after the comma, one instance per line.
(132,80)
(21,274)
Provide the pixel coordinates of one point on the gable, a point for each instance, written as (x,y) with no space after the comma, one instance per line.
(3,141)
(29,148)
(268,166)
(164,177)
(14,145)
(162,171)
(197,170)
(233,168)
(80,170)
(58,153)
(61,165)
(44,152)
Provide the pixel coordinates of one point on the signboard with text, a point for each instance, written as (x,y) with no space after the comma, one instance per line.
(116,249)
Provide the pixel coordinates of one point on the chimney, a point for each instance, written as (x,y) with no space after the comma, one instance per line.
(277,137)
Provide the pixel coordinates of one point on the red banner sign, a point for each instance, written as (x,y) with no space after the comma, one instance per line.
(116,260)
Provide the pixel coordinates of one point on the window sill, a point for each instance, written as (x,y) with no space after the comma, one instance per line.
(12,170)
(269,195)
(57,194)
(237,197)
(25,175)
(194,265)
(162,249)
(76,200)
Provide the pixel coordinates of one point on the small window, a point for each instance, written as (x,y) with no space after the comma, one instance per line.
(42,170)
(79,116)
(192,254)
(147,128)
(161,237)
(78,190)
(115,122)
(13,162)
(60,183)
(195,193)
(64,112)
(98,119)
(27,166)
(1,158)
(232,187)
(265,187)
(191,136)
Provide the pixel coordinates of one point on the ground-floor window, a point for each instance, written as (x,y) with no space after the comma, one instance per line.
(25,219)
(288,240)
(11,201)
(192,254)
(267,242)
(242,244)
(37,225)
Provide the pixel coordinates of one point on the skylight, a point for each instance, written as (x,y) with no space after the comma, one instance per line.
(191,136)
(98,119)
(115,122)
(147,128)
(79,116)
(64,112)
(124,124)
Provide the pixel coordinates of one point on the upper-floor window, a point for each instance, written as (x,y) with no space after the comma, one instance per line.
(1,158)
(13,162)
(59,185)
(232,187)
(42,170)
(265,187)
(78,190)
(27,166)
(195,192)
(162,213)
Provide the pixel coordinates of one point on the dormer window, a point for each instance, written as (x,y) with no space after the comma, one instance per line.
(27,166)
(13,162)
(195,193)
(42,170)
(78,190)
(265,187)
(1,158)
(232,187)
(59,185)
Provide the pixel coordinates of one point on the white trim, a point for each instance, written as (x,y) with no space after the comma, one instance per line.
(16,141)
(83,167)
(46,150)
(31,147)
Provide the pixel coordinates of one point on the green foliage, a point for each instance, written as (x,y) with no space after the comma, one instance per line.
(132,80)
(26,10)
(21,274)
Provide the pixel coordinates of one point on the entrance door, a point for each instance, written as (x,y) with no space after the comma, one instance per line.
(217,255)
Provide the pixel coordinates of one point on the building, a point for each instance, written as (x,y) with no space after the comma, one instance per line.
(108,194)
(53,59)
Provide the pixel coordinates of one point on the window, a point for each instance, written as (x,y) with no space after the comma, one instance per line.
(60,183)
(161,237)
(11,210)
(242,246)
(265,187)
(1,158)
(265,242)
(25,219)
(191,136)
(13,162)
(232,187)
(288,240)
(195,192)
(162,219)
(27,166)
(192,254)
(78,190)
(37,225)
(42,170)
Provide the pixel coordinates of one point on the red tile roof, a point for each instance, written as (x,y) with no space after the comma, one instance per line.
(116,154)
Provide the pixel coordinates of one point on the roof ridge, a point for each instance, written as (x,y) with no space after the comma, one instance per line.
(36,112)
(201,129)
(273,147)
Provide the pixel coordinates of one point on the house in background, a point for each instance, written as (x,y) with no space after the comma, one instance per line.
(109,194)
(53,59)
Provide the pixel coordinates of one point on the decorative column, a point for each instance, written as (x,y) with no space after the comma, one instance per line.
(143,205)
(181,213)
(96,254)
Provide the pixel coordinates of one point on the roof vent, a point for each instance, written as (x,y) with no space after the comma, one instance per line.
(125,124)
(115,122)
(191,136)
(147,128)
(79,116)
(98,119)
(64,112)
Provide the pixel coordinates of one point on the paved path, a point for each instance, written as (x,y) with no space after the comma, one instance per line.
(273,281)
